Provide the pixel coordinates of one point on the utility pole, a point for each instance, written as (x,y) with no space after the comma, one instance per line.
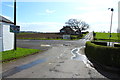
(111,24)
(15,24)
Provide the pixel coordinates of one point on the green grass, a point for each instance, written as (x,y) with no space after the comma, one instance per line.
(14,54)
(105,37)
(84,35)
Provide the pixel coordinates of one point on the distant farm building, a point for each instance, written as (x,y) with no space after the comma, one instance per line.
(6,37)
(67,30)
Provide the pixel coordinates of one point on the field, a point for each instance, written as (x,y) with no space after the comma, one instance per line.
(44,36)
(105,36)
(39,36)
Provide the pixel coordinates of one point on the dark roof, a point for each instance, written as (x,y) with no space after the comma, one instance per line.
(3,19)
(67,27)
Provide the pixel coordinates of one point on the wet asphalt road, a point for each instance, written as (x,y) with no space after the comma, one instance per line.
(56,62)
(44,44)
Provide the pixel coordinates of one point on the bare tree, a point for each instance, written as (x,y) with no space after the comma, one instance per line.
(77,25)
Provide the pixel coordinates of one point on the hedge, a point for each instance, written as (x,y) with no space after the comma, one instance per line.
(108,56)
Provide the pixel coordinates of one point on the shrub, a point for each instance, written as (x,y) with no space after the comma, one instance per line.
(109,56)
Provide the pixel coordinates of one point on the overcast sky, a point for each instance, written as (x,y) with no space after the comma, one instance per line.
(51,15)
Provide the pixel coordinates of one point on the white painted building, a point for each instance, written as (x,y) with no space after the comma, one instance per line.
(6,37)
(118,30)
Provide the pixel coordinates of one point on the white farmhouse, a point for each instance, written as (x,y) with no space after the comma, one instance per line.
(118,30)
(6,37)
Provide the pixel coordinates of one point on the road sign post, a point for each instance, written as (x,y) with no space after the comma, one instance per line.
(15,29)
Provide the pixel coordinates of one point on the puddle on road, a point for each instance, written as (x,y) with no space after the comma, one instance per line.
(23,67)
(81,57)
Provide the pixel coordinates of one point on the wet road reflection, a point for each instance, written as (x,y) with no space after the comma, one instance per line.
(81,57)
(23,67)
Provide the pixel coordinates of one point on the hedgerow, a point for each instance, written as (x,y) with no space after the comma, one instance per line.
(109,56)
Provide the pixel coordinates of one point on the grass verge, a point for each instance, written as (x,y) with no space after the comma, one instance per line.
(14,54)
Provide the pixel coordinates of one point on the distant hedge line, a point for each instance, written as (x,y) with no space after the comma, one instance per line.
(109,56)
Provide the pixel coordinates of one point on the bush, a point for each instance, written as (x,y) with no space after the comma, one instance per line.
(109,56)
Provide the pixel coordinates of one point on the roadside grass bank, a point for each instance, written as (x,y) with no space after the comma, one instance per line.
(105,37)
(9,55)
(105,55)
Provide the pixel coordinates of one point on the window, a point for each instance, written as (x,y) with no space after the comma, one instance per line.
(62,31)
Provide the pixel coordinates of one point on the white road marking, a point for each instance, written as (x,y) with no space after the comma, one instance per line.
(45,45)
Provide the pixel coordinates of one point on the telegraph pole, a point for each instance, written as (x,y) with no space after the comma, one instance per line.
(15,24)
(111,24)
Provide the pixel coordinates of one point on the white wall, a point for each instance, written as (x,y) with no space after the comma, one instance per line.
(0,37)
(0,44)
(66,36)
(118,30)
(8,38)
